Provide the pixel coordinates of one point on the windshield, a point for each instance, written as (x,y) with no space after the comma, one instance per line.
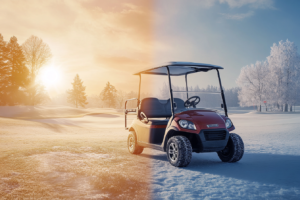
(204,85)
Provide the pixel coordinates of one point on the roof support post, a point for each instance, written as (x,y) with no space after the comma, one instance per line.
(139,94)
(222,94)
(171,92)
(186,85)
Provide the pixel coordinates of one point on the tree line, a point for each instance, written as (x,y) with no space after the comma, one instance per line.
(274,82)
(19,66)
(109,97)
(210,95)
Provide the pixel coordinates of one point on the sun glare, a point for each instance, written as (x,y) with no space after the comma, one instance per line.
(50,76)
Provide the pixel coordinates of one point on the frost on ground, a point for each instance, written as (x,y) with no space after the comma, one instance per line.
(268,170)
(86,158)
(54,165)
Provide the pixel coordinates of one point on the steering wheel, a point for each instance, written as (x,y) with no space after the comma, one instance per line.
(192,101)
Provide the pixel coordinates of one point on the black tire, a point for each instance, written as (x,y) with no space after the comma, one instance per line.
(179,151)
(234,149)
(132,144)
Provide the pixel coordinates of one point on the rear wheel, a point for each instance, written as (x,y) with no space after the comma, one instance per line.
(132,144)
(179,151)
(234,149)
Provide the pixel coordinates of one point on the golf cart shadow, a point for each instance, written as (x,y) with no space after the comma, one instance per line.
(161,157)
(264,168)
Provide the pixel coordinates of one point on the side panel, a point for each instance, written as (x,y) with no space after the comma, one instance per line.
(149,134)
(142,130)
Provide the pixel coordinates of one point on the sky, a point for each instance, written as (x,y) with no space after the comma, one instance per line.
(228,33)
(110,40)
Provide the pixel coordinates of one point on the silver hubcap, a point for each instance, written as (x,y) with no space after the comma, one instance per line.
(131,143)
(173,152)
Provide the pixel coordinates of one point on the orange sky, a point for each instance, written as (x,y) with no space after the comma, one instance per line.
(100,40)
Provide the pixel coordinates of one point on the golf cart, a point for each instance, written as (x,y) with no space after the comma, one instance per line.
(178,127)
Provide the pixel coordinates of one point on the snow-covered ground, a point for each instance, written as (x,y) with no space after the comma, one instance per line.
(268,170)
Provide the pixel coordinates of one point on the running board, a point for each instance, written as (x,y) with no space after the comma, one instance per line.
(151,146)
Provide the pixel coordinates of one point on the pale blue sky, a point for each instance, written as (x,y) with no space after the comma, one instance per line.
(229,33)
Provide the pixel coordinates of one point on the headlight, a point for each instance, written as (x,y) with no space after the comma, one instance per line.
(187,124)
(228,123)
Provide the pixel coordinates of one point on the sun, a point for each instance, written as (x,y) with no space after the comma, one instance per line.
(50,76)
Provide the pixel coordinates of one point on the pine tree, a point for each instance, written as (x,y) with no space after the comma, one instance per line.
(77,95)
(109,95)
(4,71)
(19,73)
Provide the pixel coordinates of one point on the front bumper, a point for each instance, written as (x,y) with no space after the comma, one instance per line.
(212,140)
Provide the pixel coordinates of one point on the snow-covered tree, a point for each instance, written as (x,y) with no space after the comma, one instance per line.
(284,73)
(252,81)
(275,81)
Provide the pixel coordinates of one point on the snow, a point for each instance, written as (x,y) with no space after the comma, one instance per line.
(268,170)
(54,111)
(94,121)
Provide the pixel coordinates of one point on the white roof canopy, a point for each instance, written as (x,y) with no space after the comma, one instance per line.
(179,68)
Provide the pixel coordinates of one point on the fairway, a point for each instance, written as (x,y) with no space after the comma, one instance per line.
(87,159)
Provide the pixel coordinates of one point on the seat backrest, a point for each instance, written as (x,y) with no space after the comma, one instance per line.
(153,108)
(179,105)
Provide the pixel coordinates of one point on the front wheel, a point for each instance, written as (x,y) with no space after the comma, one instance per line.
(234,149)
(132,145)
(179,151)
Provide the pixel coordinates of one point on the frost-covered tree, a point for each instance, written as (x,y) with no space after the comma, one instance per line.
(164,91)
(284,73)
(252,81)
(77,95)
(276,81)
(231,96)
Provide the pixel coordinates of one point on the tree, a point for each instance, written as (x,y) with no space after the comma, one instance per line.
(38,94)
(284,73)
(18,78)
(109,95)
(252,81)
(77,95)
(121,97)
(164,91)
(37,54)
(4,70)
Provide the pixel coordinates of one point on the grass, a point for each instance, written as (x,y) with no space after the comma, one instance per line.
(44,161)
